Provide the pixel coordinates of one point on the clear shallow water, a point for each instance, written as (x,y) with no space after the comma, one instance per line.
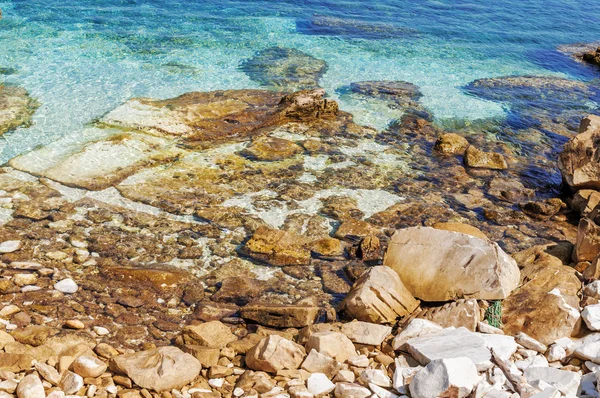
(82,58)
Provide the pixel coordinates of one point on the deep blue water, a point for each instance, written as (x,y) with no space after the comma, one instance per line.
(82,58)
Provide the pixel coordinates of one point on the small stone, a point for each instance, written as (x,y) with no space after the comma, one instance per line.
(10,246)
(24,279)
(66,286)
(89,366)
(214,334)
(487,160)
(591,316)
(74,324)
(319,363)
(274,353)
(319,383)
(556,353)
(417,327)
(9,310)
(31,387)
(366,333)
(451,144)
(529,342)
(403,376)
(71,383)
(351,390)
(360,361)
(344,376)
(565,381)
(49,373)
(101,331)
(332,344)
(375,376)
(483,327)
(453,377)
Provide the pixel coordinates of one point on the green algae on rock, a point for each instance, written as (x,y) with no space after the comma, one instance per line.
(16,107)
(285,69)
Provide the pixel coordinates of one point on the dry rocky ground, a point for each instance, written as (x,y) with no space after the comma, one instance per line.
(251,243)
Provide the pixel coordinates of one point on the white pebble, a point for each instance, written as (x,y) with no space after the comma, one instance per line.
(66,286)
(10,246)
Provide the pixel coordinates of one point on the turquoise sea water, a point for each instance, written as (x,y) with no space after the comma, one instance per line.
(82,58)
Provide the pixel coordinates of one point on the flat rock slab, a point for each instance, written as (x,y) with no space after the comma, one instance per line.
(451,343)
(437,265)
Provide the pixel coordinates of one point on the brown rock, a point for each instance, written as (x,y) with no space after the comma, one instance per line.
(461,313)
(271,149)
(546,305)
(16,107)
(281,316)
(277,247)
(584,201)
(328,248)
(332,344)
(356,229)
(579,161)
(543,209)
(212,334)
(274,353)
(207,356)
(587,247)
(161,369)
(451,144)
(35,335)
(378,296)
(487,160)
(239,290)
(370,249)
(207,310)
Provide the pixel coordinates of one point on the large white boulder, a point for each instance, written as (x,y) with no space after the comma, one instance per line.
(437,265)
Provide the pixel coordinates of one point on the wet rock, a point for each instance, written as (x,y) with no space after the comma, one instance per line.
(277,247)
(365,332)
(584,201)
(160,369)
(546,305)
(592,57)
(543,209)
(16,108)
(439,265)
(509,190)
(486,160)
(212,334)
(332,344)
(210,311)
(378,296)
(31,387)
(402,93)
(285,69)
(281,316)
(352,28)
(579,162)
(451,144)
(451,343)
(454,377)
(271,149)
(356,229)
(328,249)
(274,353)
(370,249)
(239,290)
(461,313)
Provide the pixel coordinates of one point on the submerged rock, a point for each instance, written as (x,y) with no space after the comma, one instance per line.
(437,265)
(285,69)
(593,57)
(353,28)
(16,107)
(579,162)
(485,160)
(271,149)
(399,92)
(278,247)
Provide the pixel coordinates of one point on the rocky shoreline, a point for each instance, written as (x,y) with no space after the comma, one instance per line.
(255,243)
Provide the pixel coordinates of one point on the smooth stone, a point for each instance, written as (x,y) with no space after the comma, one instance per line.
(416,328)
(332,344)
(375,376)
(437,265)
(529,342)
(10,246)
(503,346)
(556,353)
(31,387)
(214,334)
(319,383)
(71,383)
(591,316)
(351,390)
(89,366)
(366,332)
(66,286)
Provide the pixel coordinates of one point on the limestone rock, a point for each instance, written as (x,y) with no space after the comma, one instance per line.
(593,57)
(212,334)
(487,160)
(10,246)
(71,383)
(277,247)
(333,344)
(319,384)
(49,373)
(437,265)
(565,381)
(451,343)
(271,149)
(31,387)
(546,305)
(530,343)
(351,390)
(286,69)
(356,229)
(89,366)
(66,286)
(16,107)
(451,144)
(459,313)
(399,92)
(375,376)
(318,363)
(460,227)
(274,353)
(591,316)
(378,296)
(449,377)
(365,332)
(584,201)
(239,290)
(587,247)
(579,161)
(281,316)
(160,369)
(416,328)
